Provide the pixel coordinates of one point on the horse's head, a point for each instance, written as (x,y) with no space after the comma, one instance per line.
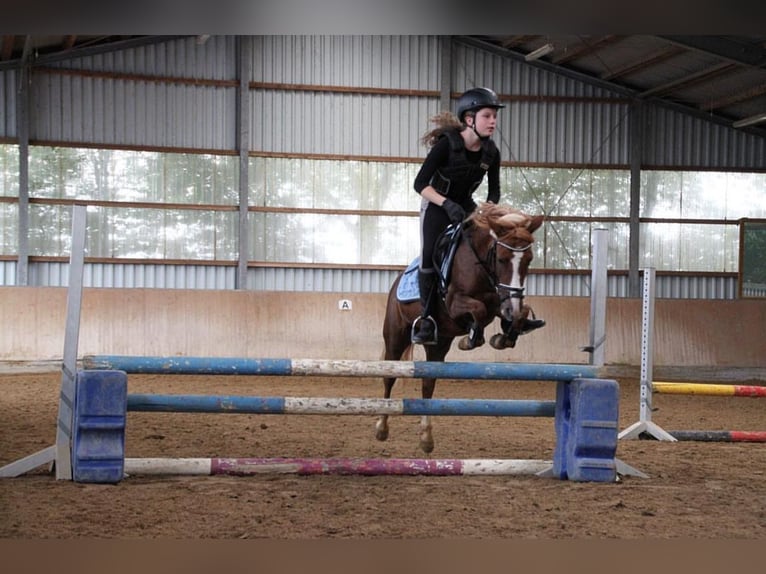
(511,231)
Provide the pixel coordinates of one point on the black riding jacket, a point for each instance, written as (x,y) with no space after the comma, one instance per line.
(456,172)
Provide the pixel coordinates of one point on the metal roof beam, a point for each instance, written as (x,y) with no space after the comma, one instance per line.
(741,96)
(91,50)
(595,81)
(734,51)
(645,62)
(560,70)
(513,41)
(697,77)
(586,48)
(69,42)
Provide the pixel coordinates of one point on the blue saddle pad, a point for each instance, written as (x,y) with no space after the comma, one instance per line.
(408,289)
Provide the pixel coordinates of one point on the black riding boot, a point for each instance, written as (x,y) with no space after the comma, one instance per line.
(531,325)
(526,326)
(424,330)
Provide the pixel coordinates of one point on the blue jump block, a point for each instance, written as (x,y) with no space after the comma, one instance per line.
(586,425)
(98,441)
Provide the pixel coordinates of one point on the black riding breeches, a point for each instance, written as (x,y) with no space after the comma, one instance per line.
(433,221)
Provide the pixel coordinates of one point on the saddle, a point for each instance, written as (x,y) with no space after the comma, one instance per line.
(444,255)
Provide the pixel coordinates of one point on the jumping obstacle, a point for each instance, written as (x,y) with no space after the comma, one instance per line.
(93,403)
(708,389)
(713,390)
(585,418)
(335,406)
(719,436)
(645,427)
(340,368)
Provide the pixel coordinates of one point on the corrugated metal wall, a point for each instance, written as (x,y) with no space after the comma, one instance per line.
(130,108)
(319,122)
(675,140)
(178,58)
(135,110)
(7,273)
(142,107)
(294,121)
(180,94)
(299,279)
(558,131)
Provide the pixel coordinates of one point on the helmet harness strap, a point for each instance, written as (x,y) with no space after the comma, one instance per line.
(473,127)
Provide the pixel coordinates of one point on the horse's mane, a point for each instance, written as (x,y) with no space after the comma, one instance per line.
(502,219)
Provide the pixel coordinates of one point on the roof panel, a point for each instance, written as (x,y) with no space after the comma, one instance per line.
(704,74)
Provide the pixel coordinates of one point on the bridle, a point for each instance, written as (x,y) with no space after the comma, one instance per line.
(489,264)
(510,292)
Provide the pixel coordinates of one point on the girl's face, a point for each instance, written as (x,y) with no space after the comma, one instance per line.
(486,121)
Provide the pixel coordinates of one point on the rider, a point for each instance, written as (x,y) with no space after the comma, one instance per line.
(461,153)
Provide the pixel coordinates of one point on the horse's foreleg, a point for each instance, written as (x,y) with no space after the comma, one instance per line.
(474,339)
(507,338)
(463,306)
(426,434)
(381,426)
(510,329)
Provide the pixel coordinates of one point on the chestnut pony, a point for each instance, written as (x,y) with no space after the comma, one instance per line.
(486,281)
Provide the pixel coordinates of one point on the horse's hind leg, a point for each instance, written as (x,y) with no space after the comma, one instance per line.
(381,426)
(426,434)
(397,342)
(433,353)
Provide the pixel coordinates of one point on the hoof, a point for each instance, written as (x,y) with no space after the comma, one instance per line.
(501,342)
(381,431)
(466,344)
(427,445)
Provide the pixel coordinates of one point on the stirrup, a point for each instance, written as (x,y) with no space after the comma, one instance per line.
(418,338)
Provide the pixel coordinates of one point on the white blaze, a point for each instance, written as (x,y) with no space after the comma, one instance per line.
(516,281)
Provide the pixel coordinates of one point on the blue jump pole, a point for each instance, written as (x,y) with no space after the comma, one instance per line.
(340,368)
(336,406)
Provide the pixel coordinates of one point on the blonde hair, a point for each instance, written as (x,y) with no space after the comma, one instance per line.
(444,121)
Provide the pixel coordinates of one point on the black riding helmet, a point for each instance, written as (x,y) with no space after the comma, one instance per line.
(475,99)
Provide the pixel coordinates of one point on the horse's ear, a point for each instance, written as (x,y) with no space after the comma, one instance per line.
(535,222)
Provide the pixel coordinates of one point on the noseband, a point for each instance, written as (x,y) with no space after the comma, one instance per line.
(512,292)
(489,265)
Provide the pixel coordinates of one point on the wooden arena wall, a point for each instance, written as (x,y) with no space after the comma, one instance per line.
(698,333)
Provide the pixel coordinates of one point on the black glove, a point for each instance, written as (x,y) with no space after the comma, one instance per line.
(454,211)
